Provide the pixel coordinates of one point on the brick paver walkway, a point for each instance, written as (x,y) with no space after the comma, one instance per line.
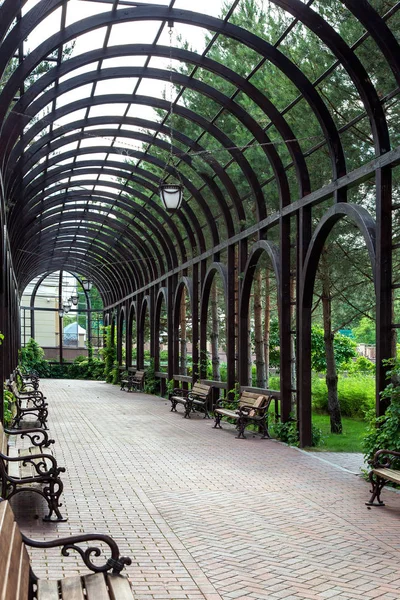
(206,516)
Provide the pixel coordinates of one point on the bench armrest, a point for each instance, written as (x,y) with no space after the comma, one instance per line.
(36,440)
(115,562)
(39,465)
(377,462)
(246,409)
(179,392)
(200,397)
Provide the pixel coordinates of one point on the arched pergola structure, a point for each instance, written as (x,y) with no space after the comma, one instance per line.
(80,169)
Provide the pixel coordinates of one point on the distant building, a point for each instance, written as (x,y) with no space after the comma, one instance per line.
(74,335)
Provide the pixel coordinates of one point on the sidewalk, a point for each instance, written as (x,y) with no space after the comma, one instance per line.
(206,516)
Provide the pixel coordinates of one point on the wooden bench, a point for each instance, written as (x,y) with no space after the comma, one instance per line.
(126,378)
(31,469)
(195,399)
(250,409)
(26,379)
(18,582)
(137,381)
(382,472)
(31,404)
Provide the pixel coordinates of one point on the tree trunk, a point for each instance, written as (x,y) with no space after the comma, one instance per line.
(215,332)
(331,374)
(267,321)
(183,340)
(258,331)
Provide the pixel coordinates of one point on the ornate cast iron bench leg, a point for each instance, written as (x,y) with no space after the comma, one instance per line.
(377,485)
(241,426)
(217,421)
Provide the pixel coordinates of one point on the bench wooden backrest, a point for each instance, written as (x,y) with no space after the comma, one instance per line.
(14,389)
(3,442)
(254,399)
(14,563)
(139,375)
(201,389)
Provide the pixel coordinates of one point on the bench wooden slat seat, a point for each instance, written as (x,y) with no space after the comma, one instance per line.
(251,409)
(31,469)
(28,405)
(195,399)
(382,472)
(18,582)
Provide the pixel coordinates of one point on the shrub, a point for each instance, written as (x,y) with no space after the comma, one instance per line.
(7,410)
(356,395)
(289,433)
(32,359)
(109,355)
(384,432)
(151,382)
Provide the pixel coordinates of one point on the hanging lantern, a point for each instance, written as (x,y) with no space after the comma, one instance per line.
(61,313)
(66,306)
(74,298)
(171,195)
(87,285)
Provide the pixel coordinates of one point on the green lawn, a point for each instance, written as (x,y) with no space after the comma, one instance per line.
(349,441)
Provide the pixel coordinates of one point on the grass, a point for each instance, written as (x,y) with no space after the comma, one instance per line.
(349,441)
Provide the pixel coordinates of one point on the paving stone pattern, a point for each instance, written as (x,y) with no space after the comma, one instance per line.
(204,515)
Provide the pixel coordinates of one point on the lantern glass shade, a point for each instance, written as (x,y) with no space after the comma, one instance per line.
(74,298)
(171,195)
(87,285)
(61,313)
(66,307)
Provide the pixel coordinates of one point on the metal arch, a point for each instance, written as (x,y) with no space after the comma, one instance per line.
(84,261)
(243,36)
(10,135)
(190,83)
(162,295)
(103,239)
(357,215)
(152,223)
(184,282)
(153,160)
(379,31)
(256,251)
(30,157)
(123,202)
(214,268)
(350,62)
(186,56)
(35,268)
(144,307)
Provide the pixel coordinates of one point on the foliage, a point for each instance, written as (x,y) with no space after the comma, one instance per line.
(85,368)
(32,359)
(109,353)
(114,373)
(289,433)
(384,432)
(152,383)
(1,338)
(356,395)
(360,365)
(344,349)
(365,332)
(170,384)
(8,399)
